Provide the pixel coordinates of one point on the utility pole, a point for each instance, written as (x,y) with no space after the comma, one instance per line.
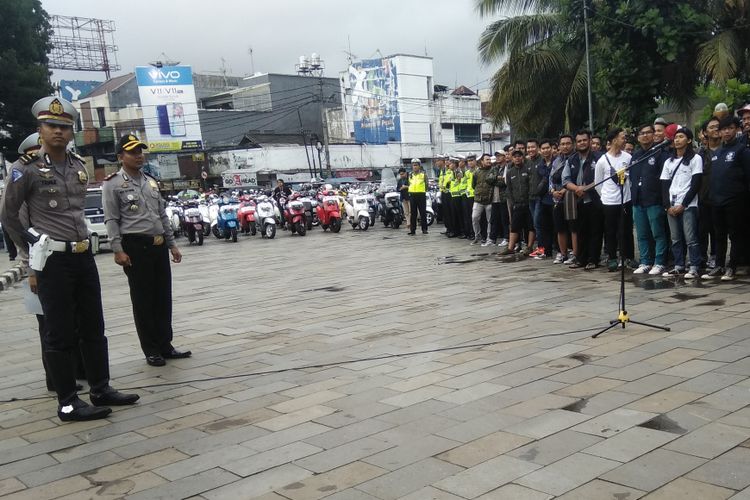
(324,123)
(588,64)
(304,141)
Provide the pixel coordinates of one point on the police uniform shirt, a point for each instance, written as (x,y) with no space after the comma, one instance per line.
(55,194)
(133,205)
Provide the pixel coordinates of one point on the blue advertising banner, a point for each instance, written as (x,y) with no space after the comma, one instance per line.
(72,90)
(374,84)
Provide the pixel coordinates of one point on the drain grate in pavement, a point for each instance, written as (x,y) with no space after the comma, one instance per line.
(664,423)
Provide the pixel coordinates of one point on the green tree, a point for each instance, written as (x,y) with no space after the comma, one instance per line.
(641,51)
(24,45)
(727,54)
(733,93)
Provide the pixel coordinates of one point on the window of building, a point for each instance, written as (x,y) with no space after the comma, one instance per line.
(101,117)
(446,126)
(465,132)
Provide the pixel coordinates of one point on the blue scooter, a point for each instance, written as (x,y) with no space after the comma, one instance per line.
(227,222)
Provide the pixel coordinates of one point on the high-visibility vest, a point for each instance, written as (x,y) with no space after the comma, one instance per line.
(462,183)
(469,176)
(448,179)
(417,183)
(457,188)
(441,175)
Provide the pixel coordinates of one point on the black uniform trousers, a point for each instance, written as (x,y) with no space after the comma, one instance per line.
(78,359)
(730,221)
(457,216)
(71,298)
(468,206)
(445,209)
(590,225)
(150,282)
(12,250)
(418,202)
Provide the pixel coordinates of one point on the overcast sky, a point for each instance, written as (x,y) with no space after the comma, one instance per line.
(201,32)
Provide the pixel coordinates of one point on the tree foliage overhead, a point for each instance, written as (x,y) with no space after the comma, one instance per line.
(642,51)
(24,45)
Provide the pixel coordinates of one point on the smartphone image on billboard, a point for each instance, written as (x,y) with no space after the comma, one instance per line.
(162,115)
(177,120)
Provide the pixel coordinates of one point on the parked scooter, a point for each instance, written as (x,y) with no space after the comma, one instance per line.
(227,224)
(328,212)
(372,207)
(265,217)
(357,211)
(174,214)
(294,214)
(391,210)
(192,223)
(246,214)
(311,212)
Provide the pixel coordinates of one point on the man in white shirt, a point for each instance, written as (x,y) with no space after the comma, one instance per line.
(613,186)
(681,176)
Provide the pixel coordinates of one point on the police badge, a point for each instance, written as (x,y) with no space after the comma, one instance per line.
(83,177)
(56,107)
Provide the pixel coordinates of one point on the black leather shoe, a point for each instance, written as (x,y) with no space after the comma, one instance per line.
(175,354)
(79,411)
(411,233)
(155,360)
(111,397)
(424,232)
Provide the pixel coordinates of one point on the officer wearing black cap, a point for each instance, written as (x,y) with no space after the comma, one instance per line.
(53,183)
(141,237)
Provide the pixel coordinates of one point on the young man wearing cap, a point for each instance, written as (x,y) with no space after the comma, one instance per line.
(417,196)
(730,184)
(52,184)
(681,177)
(141,238)
(484,183)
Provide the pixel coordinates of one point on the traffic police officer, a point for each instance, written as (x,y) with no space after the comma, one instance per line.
(467,200)
(141,237)
(418,196)
(445,198)
(52,183)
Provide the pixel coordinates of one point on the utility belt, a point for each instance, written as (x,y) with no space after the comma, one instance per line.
(69,246)
(42,246)
(156,240)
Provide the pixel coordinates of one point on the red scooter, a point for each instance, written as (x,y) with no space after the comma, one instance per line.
(246,214)
(294,214)
(329,212)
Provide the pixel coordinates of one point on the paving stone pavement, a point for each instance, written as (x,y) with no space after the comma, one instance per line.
(300,386)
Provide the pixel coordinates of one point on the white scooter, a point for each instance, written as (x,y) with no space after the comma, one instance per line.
(174,213)
(265,217)
(357,211)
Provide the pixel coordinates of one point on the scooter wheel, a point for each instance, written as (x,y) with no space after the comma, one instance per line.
(199,235)
(253,230)
(335,225)
(396,223)
(234,235)
(270,231)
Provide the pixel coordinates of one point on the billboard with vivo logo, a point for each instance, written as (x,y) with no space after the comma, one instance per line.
(170,111)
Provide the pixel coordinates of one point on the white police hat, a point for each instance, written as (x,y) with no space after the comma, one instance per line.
(416,160)
(31,143)
(55,110)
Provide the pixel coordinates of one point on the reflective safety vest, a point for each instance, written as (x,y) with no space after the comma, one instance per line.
(469,176)
(462,183)
(447,178)
(440,179)
(457,188)
(418,183)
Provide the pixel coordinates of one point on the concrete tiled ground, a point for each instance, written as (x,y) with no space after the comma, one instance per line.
(320,400)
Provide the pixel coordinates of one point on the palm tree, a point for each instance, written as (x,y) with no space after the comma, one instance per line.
(727,54)
(544,65)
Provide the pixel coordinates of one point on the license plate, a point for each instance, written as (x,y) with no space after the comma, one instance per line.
(97,220)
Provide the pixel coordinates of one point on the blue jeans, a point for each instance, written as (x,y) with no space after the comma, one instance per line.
(535,207)
(652,238)
(684,231)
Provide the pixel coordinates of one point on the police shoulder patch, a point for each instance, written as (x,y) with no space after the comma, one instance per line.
(111,176)
(28,158)
(77,156)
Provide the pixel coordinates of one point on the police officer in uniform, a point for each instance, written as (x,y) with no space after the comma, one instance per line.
(53,183)
(418,196)
(141,237)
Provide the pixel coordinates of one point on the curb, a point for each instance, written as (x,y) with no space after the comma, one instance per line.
(11,276)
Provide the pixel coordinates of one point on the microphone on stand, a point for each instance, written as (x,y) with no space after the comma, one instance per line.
(662,144)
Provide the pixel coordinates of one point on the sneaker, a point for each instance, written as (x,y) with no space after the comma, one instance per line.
(657,270)
(540,256)
(716,272)
(611,265)
(590,266)
(642,269)
(559,259)
(631,264)
(536,253)
(507,251)
(488,243)
(503,243)
(728,274)
(474,242)
(676,271)
(692,274)
(711,264)
(570,260)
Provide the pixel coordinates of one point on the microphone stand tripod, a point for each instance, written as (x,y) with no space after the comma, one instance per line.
(623,317)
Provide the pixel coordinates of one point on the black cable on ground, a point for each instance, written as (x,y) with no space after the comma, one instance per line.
(328,365)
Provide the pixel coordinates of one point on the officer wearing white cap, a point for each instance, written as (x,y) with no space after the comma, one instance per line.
(417,196)
(52,183)
(141,237)
(31,144)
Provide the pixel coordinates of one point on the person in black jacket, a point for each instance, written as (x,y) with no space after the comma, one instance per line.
(730,184)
